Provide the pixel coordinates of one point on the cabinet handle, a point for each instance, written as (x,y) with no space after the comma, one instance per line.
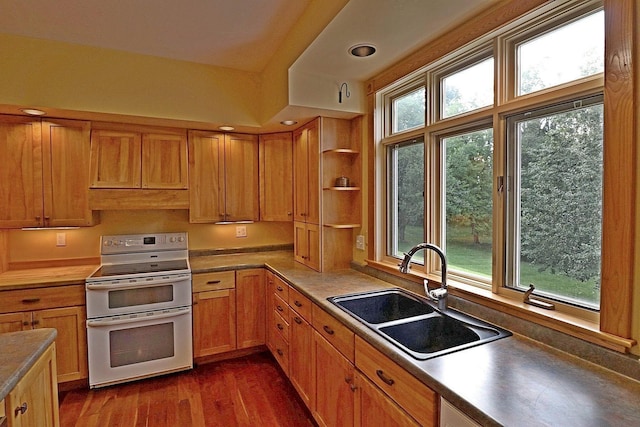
(280,352)
(35,322)
(353,387)
(328,330)
(280,309)
(297,320)
(213,282)
(279,288)
(289,213)
(21,409)
(280,326)
(30,300)
(384,378)
(26,323)
(297,303)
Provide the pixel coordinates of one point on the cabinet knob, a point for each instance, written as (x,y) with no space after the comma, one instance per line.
(21,409)
(289,213)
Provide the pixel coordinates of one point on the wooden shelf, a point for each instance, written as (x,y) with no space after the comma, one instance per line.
(342,225)
(342,188)
(341,151)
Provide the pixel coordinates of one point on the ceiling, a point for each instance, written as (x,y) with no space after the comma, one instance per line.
(239,34)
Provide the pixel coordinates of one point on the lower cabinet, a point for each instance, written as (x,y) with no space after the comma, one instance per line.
(214,322)
(34,399)
(59,307)
(374,408)
(250,307)
(301,368)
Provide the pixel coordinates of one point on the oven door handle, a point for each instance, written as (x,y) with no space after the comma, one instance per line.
(133,285)
(94,323)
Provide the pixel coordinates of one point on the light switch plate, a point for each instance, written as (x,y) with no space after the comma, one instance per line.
(360,242)
(61,239)
(241,231)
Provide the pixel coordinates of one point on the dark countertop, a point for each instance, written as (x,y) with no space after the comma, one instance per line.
(18,353)
(514,381)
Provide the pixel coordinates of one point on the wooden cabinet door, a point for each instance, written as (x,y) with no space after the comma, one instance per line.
(21,203)
(374,409)
(250,307)
(37,394)
(334,378)
(306,244)
(300,245)
(301,369)
(164,161)
(276,177)
(313,152)
(214,322)
(66,151)
(206,177)
(241,168)
(306,173)
(115,159)
(14,322)
(71,342)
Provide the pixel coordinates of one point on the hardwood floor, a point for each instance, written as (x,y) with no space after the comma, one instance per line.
(249,391)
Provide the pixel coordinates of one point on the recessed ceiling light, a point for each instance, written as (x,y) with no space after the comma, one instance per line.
(288,122)
(33,112)
(362,50)
(227,128)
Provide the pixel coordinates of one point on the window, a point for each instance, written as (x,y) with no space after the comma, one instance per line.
(408,111)
(468,205)
(468,89)
(509,186)
(556,200)
(567,53)
(405,226)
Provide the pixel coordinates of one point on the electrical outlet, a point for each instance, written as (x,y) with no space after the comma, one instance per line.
(241,231)
(61,239)
(360,242)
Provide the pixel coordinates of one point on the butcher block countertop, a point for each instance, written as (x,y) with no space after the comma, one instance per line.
(513,381)
(43,277)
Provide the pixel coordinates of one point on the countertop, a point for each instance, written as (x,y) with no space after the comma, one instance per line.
(42,277)
(18,353)
(513,381)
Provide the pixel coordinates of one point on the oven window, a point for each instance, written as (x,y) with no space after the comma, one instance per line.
(137,345)
(140,296)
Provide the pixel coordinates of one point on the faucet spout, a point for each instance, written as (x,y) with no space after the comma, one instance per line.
(439,295)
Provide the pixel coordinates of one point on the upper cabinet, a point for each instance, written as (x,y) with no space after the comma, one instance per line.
(276,177)
(45,175)
(306,173)
(134,160)
(223,177)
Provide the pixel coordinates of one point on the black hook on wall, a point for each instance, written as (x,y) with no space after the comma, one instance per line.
(347,93)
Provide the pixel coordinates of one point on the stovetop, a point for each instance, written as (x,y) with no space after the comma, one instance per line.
(115,270)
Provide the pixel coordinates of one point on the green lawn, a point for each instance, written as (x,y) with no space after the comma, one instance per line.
(463,254)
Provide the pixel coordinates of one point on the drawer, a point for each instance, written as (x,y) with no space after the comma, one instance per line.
(300,303)
(215,281)
(280,325)
(281,352)
(335,332)
(280,288)
(406,390)
(41,298)
(281,307)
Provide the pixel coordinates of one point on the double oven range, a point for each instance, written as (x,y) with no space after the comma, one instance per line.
(139,308)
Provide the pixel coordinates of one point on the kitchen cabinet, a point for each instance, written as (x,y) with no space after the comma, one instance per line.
(278,334)
(276,177)
(138,159)
(306,173)
(59,307)
(306,244)
(415,398)
(301,368)
(34,399)
(374,408)
(45,175)
(250,307)
(223,178)
(214,313)
(335,387)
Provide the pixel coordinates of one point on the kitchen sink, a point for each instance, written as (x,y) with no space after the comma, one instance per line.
(415,325)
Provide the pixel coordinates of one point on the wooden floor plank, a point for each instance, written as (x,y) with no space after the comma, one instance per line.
(250,391)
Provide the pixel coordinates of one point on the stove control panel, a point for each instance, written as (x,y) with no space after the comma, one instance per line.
(131,243)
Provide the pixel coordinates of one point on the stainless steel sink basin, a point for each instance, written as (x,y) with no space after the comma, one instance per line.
(415,325)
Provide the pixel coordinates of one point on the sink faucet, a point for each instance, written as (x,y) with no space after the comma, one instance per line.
(438,295)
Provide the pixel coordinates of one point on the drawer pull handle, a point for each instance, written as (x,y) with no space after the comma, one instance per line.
(279,308)
(280,327)
(280,352)
(213,282)
(328,330)
(297,303)
(31,300)
(35,323)
(384,378)
(279,288)
(297,320)
(21,409)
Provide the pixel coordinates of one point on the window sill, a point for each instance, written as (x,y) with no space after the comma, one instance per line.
(567,323)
